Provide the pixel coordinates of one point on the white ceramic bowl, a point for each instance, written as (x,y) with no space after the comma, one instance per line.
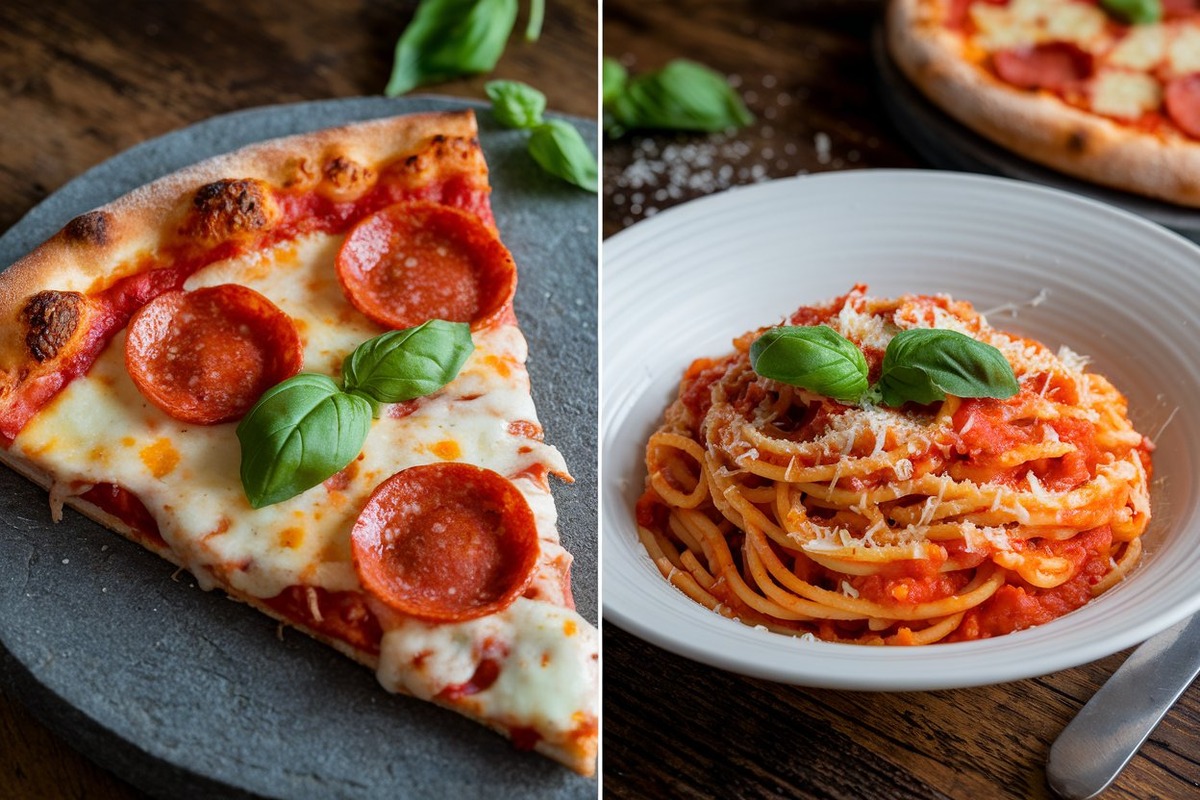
(1122,290)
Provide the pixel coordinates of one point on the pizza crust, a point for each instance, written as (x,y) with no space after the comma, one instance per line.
(214,200)
(1037,125)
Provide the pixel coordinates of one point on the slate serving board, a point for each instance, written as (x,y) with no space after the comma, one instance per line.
(187,694)
(947,144)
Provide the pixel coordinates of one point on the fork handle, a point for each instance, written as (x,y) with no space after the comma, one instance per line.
(1095,746)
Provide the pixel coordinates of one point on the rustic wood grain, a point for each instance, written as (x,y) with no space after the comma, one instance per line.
(80,81)
(803,69)
(674,728)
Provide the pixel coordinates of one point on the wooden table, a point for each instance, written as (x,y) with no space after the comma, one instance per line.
(674,728)
(81,81)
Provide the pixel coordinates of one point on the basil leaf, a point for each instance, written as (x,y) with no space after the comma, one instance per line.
(923,365)
(814,357)
(449,38)
(560,150)
(516,104)
(537,12)
(299,433)
(683,96)
(614,79)
(1138,12)
(414,362)
(908,384)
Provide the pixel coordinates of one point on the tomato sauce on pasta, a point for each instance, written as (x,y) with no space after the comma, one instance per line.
(961,519)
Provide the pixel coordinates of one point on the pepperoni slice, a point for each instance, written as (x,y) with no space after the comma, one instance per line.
(1182,98)
(1179,9)
(412,262)
(445,542)
(1055,66)
(206,356)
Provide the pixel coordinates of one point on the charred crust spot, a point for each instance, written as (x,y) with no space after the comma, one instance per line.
(442,149)
(1077,142)
(345,173)
(228,208)
(51,318)
(94,228)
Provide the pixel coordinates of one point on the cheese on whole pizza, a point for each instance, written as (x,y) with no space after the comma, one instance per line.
(1106,91)
(295,371)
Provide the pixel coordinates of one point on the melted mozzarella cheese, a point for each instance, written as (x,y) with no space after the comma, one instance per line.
(545,677)
(201,508)
(999,28)
(1125,95)
(101,430)
(1142,48)
(1081,23)
(1032,10)
(1183,53)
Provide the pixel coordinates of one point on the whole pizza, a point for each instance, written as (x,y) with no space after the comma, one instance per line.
(295,371)
(1106,90)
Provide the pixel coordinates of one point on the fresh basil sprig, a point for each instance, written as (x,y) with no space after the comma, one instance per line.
(682,96)
(613,81)
(537,12)
(813,357)
(1138,12)
(449,38)
(298,434)
(560,150)
(555,145)
(307,428)
(921,365)
(516,104)
(402,365)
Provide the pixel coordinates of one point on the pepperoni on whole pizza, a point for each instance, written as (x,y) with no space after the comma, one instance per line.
(295,371)
(1106,90)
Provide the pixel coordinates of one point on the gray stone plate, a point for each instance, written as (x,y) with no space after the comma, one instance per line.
(186,694)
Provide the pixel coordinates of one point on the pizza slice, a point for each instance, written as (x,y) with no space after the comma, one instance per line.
(295,371)
(1104,90)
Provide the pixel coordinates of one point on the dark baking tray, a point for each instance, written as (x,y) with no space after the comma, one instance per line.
(187,694)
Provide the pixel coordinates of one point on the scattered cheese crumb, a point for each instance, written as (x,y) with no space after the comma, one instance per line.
(822,143)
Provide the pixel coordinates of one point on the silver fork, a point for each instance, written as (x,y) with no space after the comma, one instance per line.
(1095,746)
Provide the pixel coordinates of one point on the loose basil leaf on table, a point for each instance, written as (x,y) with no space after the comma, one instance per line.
(449,38)
(299,433)
(516,104)
(1138,12)
(923,365)
(560,150)
(402,365)
(813,357)
(683,96)
(614,79)
(537,13)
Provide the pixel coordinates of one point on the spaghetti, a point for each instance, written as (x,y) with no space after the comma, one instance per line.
(957,520)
